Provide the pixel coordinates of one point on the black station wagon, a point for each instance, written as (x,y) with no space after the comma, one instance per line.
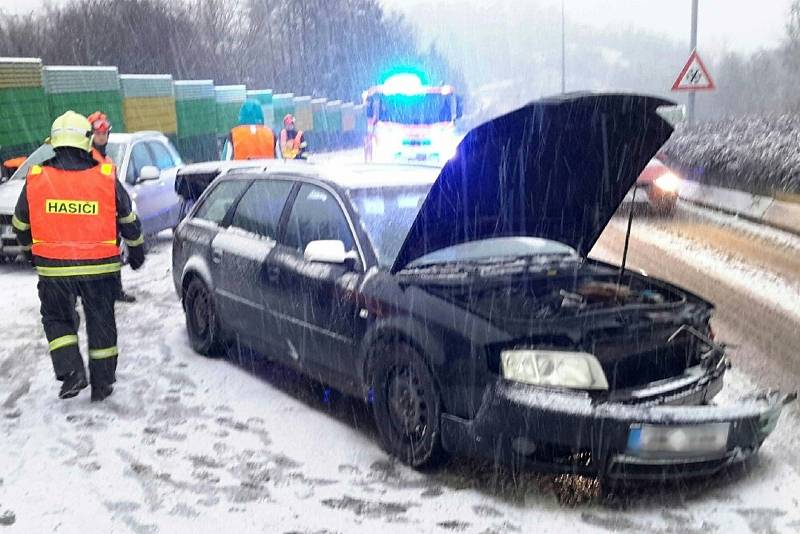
(461,303)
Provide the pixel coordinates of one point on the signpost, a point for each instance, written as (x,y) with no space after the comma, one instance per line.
(694,76)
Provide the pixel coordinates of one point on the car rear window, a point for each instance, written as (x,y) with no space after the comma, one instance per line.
(220,200)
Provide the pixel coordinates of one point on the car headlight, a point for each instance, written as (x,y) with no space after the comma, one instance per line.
(668,182)
(574,370)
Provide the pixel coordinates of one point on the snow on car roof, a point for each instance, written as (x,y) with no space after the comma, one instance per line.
(368,175)
(345,175)
(124,137)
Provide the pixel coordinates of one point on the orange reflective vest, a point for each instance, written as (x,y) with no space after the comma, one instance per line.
(73,214)
(253,142)
(292,147)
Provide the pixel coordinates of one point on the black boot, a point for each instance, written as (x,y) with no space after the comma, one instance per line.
(72,385)
(101,392)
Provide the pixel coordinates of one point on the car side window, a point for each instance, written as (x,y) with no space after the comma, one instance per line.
(140,158)
(261,206)
(219,201)
(316,215)
(163,159)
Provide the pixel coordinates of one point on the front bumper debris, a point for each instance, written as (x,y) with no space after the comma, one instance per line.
(566,432)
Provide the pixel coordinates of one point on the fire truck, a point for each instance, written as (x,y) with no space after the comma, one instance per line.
(408,120)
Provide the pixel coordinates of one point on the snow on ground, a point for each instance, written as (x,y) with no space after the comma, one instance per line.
(762,284)
(193,444)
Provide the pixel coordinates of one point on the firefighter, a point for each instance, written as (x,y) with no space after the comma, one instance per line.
(69,213)
(101,127)
(250,139)
(293,144)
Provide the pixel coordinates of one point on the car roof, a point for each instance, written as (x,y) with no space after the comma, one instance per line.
(371,175)
(133,136)
(345,175)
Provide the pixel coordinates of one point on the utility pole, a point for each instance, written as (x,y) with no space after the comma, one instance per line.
(692,48)
(563,50)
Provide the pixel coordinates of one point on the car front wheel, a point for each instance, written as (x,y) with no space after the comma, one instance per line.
(407,407)
(201,319)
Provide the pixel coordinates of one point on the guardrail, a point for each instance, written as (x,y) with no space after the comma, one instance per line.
(775,212)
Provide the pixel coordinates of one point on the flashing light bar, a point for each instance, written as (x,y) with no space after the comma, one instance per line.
(405,83)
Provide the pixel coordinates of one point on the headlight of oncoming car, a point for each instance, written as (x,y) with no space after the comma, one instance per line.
(668,182)
(574,370)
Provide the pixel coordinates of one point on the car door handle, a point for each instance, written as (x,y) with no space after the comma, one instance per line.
(216,256)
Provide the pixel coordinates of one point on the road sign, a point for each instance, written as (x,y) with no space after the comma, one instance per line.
(694,76)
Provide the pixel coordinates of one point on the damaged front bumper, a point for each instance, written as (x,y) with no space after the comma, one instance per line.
(675,437)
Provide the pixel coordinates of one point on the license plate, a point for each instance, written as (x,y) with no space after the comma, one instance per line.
(683,440)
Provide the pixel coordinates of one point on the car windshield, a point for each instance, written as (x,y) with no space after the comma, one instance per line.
(116,151)
(416,109)
(387,215)
(496,249)
(40,155)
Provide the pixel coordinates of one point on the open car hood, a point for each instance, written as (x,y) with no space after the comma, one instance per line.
(557,168)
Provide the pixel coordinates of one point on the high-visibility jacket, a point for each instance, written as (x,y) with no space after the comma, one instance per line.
(292,147)
(252,142)
(73,214)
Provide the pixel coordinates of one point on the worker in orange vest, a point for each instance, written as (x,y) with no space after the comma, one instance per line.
(250,139)
(101,128)
(293,143)
(69,214)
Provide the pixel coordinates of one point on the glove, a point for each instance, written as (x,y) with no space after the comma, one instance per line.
(136,257)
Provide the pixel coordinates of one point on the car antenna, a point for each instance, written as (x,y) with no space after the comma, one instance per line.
(627,238)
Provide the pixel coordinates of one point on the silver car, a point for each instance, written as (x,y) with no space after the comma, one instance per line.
(146,165)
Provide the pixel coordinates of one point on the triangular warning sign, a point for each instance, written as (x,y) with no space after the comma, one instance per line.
(694,76)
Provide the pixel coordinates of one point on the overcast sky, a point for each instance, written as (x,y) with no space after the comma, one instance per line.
(743,25)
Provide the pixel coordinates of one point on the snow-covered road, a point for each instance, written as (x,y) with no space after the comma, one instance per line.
(188,444)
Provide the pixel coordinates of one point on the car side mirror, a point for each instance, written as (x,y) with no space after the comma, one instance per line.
(330,251)
(149,172)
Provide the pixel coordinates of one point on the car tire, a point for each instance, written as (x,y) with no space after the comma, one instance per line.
(202,324)
(407,407)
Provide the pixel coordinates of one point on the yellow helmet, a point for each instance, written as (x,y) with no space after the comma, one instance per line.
(73,130)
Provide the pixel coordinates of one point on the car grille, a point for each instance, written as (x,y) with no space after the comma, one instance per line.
(5,220)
